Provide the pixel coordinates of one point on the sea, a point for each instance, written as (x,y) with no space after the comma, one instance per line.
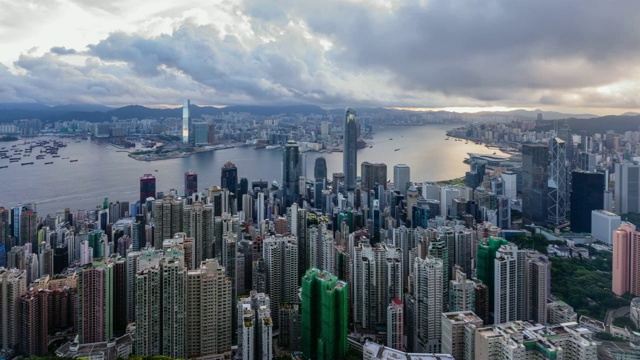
(103,171)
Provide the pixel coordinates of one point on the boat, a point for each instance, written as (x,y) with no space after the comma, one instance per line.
(466,142)
(447,138)
(370,146)
(156,170)
(56,156)
(75,160)
(27,163)
(390,138)
(396,150)
(5,166)
(49,163)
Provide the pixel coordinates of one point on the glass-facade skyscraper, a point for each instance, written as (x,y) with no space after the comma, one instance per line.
(187,135)
(349,156)
(290,173)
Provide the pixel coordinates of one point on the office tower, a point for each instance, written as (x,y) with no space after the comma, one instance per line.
(280,256)
(209,304)
(229,177)
(627,188)
(187,135)
(138,233)
(373,175)
(167,219)
(427,290)
(324,316)
(448,193)
(338,182)
(242,190)
(401,178)
(557,182)
(395,324)
(255,327)
(461,292)
(538,287)
(29,229)
(95,302)
(377,278)
(198,224)
(190,183)
(5,227)
(510,291)
(147,188)
(626,260)
(603,224)
(320,168)
(33,320)
(458,328)
(475,175)
(350,148)
(290,173)
(587,194)
(13,283)
(535,176)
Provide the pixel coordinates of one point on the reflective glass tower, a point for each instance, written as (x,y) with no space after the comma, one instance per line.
(349,158)
(290,173)
(186,124)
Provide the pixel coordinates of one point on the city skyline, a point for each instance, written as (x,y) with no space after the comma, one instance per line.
(257,52)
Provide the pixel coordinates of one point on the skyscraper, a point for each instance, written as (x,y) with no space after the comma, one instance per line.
(627,188)
(626,260)
(198,224)
(95,302)
(147,188)
(320,168)
(557,183)
(290,173)
(229,177)
(33,310)
(401,178)
(255,327)
(280,256)
(13,283)
(187,136)
(510,286)
(427,289)
(324,316)
(373,175)
(587,194)
(190,183)
(349,154)
(167,219)
(535,176)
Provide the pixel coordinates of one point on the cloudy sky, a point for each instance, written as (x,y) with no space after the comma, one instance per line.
(569,55)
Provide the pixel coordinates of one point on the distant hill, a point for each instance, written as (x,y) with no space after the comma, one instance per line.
(617,123)
(98,113)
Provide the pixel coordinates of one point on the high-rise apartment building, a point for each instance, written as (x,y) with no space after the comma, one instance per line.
(280,256)
(290,173)
(427,290)
(29,229)
(190,183)
(538,287)
(33,320)
(457,333)
(587,195)
(376,280)
(510,290)
(167,219)
(461,292)
(395,324)
(401,178)
(627,188)
(147,187)
(95,302)
(350,148)
(324,316)
(486,255)
(187,130)
(255,327)
(626,260)
(208,310)
(198,224)
(13,283)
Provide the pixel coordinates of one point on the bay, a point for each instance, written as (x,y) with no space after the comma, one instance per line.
(102,171)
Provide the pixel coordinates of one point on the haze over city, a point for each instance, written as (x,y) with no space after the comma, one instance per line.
(571,56)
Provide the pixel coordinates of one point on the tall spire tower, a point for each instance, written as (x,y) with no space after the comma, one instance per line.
(349,159)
